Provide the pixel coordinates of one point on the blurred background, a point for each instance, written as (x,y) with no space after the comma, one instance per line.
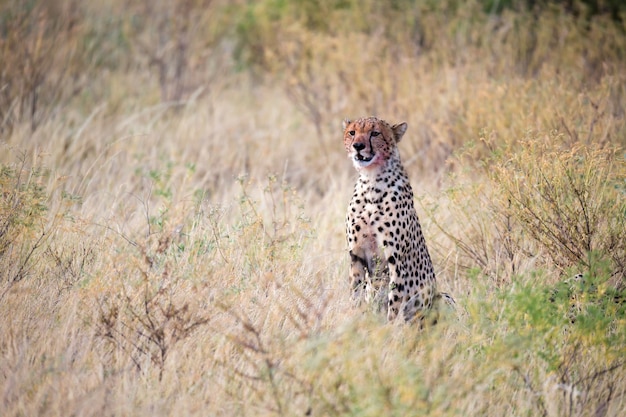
(174,184)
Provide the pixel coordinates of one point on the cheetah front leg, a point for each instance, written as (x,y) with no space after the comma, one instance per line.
(358,265)
(396,285)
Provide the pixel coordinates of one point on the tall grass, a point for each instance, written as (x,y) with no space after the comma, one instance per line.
(173,194)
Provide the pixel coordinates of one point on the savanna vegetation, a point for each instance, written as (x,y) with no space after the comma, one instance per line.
(173,189)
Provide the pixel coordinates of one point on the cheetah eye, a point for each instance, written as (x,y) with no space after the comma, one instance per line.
(351,133)
(375,133)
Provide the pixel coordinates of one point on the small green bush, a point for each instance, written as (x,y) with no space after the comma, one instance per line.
(552,198)
(23,218)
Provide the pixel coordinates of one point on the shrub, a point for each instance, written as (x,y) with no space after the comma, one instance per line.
(552,199)
(23,218)
(569,201)
(144,308)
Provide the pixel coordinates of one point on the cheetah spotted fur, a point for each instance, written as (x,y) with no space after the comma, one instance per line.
(385,241)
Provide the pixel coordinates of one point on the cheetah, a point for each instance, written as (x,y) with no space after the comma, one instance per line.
(388,253)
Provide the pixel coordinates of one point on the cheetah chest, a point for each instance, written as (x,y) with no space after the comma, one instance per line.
(372,244)
(367,239)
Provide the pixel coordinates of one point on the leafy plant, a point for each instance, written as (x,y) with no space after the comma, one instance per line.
(552,196)
(23,219)
(148,314)
(570,202)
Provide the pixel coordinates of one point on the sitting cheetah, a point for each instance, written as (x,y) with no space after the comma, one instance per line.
(384,236)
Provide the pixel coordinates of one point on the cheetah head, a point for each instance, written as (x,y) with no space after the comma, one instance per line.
(370,141)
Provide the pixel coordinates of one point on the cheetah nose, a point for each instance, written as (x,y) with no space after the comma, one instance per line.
(358,146)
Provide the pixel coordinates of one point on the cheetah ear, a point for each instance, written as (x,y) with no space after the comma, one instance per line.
(345,123)
(399,130)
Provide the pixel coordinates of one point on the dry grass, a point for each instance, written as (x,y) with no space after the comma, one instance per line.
(171,219)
